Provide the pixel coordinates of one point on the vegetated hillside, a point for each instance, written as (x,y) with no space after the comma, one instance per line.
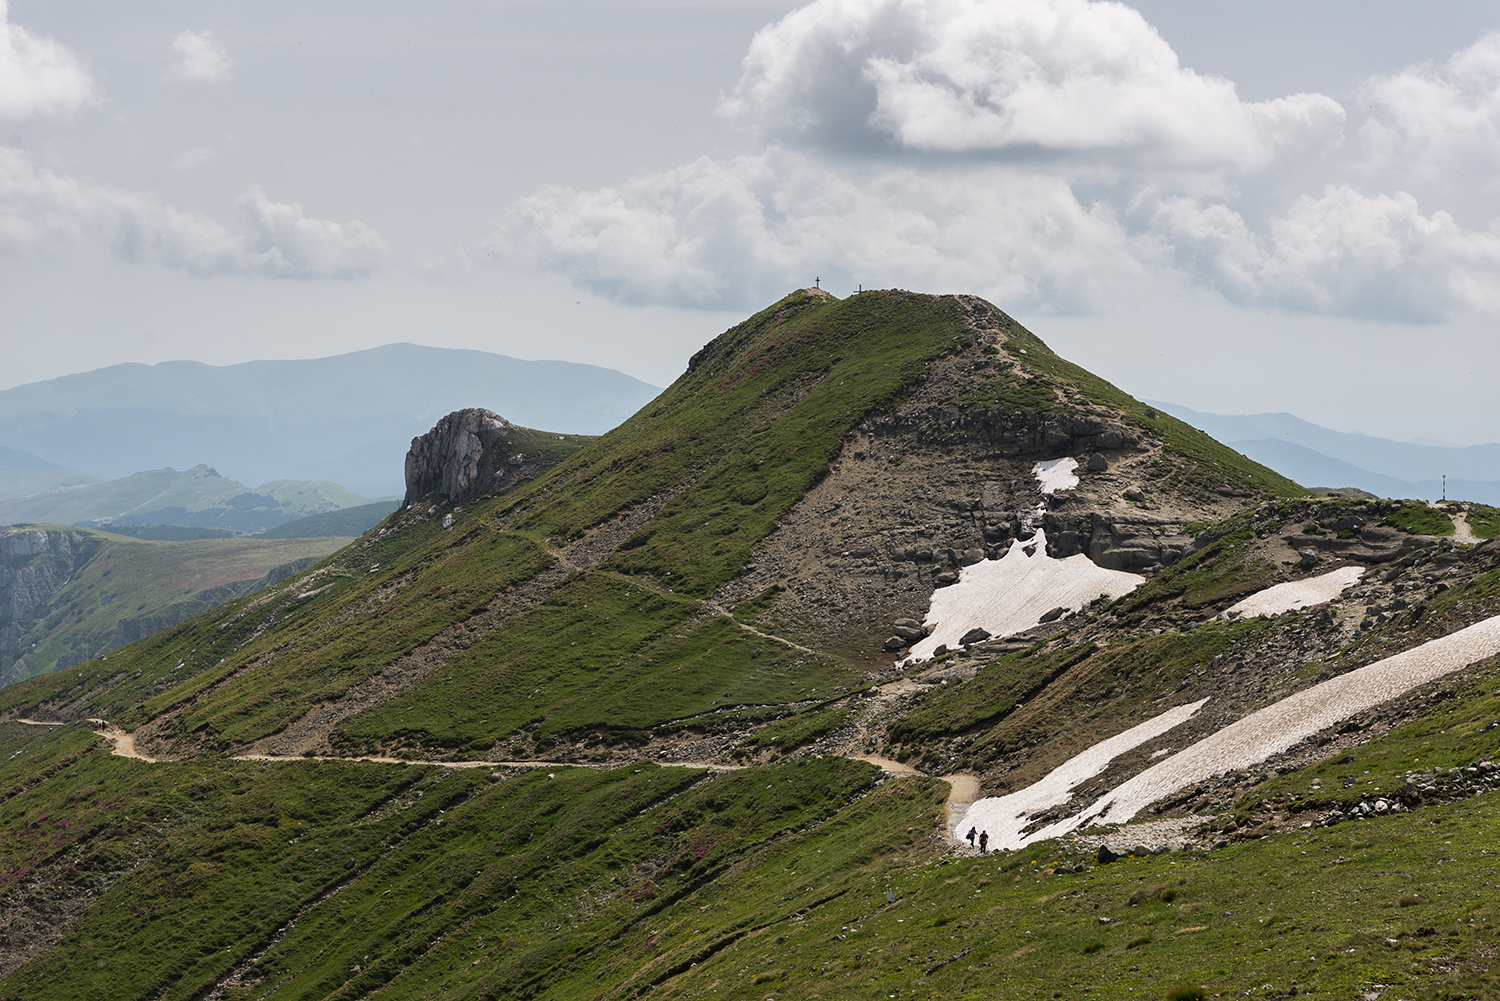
(197,497)
(719,580)
(347,522)
(346,419)
(68,594)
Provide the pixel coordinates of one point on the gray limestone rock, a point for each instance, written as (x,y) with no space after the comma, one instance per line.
(465,456)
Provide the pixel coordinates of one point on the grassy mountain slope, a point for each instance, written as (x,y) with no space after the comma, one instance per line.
(715,580)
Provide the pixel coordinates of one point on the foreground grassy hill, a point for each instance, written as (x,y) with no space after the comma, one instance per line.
(616,719)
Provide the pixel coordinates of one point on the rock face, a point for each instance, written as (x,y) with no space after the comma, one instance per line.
(34,565)
(464,456)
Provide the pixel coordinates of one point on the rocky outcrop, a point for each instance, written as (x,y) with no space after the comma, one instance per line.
(34,566)
(466,455)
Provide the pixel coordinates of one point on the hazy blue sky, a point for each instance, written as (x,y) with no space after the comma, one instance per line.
(1236,207)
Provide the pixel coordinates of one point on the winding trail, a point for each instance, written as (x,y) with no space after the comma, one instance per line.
(962,789)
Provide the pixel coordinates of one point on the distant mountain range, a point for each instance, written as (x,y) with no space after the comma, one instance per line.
(347,419)
(1319,457)
(22,473)
(198,497)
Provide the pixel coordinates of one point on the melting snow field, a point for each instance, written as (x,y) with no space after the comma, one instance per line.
(1240,745)
(1298,593)
(1056,474)
(1012,593)
(1004,817)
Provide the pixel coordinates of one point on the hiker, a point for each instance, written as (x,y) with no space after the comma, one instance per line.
(970,836)
(984,843)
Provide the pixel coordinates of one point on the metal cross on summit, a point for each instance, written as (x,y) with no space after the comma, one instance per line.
(817,283)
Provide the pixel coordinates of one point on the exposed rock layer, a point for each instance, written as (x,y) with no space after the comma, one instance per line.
(466,455)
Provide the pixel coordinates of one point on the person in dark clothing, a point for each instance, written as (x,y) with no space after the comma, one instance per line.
(971,835)
(984,843)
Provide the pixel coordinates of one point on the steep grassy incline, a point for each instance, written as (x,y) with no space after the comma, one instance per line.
(696,480)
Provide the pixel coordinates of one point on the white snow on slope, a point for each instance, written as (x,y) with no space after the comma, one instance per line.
(1005,817)
(1056,474)
(1298,593)
(1258,736)
(1011,594)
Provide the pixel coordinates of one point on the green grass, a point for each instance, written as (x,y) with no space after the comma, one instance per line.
(1226,568)
(1416,518)
(988,697)
(1484,520)
(804,728)
(602,655)
(796,880)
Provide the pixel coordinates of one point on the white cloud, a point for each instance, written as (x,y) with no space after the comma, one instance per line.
(943,144)
(37,75)
(1342,252)
(277,240)
(737,233)
(1427,117)
(1020,77)
(193,158)
(198,58)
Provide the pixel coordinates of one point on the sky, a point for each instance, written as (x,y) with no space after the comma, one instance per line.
(1238,208)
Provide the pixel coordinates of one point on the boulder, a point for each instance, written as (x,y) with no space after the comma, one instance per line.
(1054,614)
(975,635)
(909,630)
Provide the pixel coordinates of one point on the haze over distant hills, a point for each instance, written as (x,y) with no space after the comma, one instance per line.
(348,418)
(22,473)
(197,497)
(1318,456)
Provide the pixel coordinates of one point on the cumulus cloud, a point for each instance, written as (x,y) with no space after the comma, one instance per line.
(275,240)
(1341,252)
(1427,117)
(944,145)
(37,75)
(1022,77)
(198,58)
(735,233)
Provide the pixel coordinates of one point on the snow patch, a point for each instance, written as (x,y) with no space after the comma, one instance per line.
(1006,817)
(1298,593)
(1056,474)
(1243,744)
(1011,594)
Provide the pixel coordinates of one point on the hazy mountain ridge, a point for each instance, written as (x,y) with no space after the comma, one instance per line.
(198,497)
(1319,456)
(347,419)
(719,579)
